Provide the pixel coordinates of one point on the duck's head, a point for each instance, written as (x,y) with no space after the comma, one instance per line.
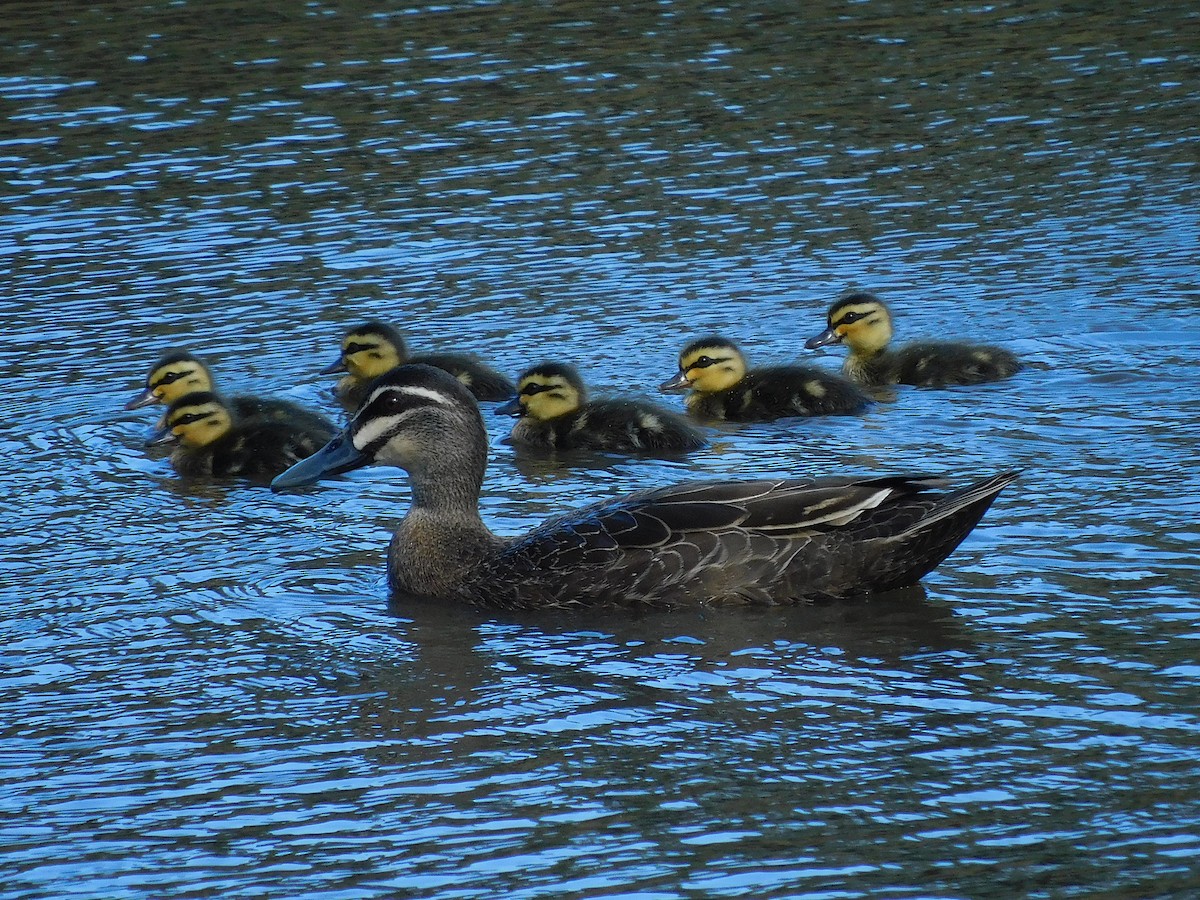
(368,351)
(859,320)
(418,418)
(708,365)
(194,420)
(546,392)
(176,374)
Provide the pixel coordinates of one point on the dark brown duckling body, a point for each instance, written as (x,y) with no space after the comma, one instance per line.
(864,323)
(556,414)
(722,387)
(211,440)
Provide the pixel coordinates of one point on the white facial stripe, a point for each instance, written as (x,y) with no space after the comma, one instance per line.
(413,391)
(373,430)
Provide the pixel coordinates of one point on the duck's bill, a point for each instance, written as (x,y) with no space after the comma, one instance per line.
(145,398)
(163,435)
(510,408)
(338,456)
(338,365)
(678,383)
(826,337)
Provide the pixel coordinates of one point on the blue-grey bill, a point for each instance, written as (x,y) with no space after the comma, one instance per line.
(338,365)
(339,455)
(510,408)
(677,383)
(828,336)
(145,398)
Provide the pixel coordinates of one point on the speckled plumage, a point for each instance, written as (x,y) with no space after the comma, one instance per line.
(722,387)
(766,541)
(863,322)
(254,448)
(555,413)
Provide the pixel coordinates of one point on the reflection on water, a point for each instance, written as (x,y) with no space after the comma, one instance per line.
(204,689)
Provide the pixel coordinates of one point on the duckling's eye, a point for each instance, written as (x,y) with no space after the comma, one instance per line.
(850,317)
(702,363)
(169,378)
(531,389)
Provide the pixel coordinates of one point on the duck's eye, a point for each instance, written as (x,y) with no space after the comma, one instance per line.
(702,362)
(531,389)
(848,318)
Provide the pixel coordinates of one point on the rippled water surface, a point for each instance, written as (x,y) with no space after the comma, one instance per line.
(203,689)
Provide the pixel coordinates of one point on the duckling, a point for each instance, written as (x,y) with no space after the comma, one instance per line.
(722,388)
(555,414)
(767,541)
(374,348)
(864,323)
(179,373)
(212,440)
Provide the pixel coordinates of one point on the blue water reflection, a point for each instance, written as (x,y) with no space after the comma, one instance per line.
(203,686)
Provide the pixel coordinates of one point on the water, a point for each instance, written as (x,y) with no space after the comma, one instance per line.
(203,688)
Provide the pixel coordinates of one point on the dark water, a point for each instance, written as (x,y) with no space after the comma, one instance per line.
(203,691)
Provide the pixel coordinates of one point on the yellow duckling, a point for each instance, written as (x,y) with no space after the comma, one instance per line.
(374,348)
(210,439)
(722,387)
(864,324)
(555,414)
(178,373)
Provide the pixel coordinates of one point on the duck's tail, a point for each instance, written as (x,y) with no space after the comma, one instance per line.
(913,553)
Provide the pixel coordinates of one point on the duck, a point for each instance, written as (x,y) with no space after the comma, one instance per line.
(178,373)
(863,322)
(373,348)
(210,439)
(554,413)
(722,386)
(779,540)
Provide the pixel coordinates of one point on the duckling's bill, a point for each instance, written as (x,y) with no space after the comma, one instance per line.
(678,382)
(826,337)
(144,398)
(511,407)
(338,456)
(162,435)
(338,365)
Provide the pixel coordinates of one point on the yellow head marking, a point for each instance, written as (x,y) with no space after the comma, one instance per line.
(177,378)
(549,394)
(368,354)
(200,422)
(712,366)
(865,326)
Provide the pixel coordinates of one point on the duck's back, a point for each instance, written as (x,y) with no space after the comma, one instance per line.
(716,542)
(934,364)
(484,382)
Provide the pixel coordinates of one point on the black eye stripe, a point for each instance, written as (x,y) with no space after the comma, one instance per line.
(705,361)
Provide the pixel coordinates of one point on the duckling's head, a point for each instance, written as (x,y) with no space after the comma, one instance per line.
(546,392)
(368,351)
(708,365)
(416,417)
(176,374)
(195,420)
(860,320)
